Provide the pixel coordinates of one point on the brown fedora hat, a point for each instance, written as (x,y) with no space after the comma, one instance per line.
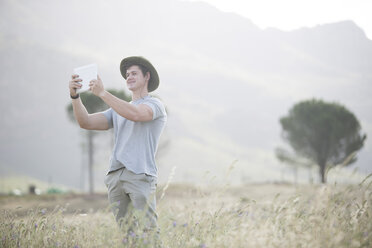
(137,60)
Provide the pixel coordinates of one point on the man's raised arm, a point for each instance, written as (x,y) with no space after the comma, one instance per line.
(96,121)
(129,111)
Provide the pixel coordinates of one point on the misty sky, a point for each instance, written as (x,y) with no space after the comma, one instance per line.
(293,14)
(258,74)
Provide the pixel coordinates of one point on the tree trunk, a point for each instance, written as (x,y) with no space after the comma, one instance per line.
(322,169)
(90,161)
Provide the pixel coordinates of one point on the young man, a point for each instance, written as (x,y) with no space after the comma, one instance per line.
(132,176)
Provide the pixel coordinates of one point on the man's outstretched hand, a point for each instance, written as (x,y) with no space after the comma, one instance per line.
(96,87)
(74,84)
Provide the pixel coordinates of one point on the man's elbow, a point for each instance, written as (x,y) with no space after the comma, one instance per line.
(84,125)
(94,126)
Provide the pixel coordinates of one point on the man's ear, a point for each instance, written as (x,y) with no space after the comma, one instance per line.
(148,75)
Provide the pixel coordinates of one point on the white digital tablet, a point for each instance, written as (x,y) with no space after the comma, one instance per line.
(86,73)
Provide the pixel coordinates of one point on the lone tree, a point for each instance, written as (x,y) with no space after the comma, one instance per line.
(325,133)
(93,104)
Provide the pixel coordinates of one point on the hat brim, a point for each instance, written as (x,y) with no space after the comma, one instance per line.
(136,60)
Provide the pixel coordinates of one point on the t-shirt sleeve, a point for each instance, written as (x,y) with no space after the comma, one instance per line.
(108,114)
(158,109)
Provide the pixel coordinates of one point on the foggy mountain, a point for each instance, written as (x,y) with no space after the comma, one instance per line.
(224,81)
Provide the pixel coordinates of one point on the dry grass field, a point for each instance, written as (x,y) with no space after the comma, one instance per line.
(257,215)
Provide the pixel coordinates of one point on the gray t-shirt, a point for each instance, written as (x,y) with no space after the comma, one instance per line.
(136,142)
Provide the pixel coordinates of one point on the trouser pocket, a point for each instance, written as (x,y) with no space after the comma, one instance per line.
(112,183)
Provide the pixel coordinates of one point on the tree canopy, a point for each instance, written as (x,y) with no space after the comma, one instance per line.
(325,133)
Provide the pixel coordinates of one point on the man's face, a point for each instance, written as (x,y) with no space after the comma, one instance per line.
(135,78)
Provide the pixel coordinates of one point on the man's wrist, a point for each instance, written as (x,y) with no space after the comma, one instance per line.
(102,94)
(75,96)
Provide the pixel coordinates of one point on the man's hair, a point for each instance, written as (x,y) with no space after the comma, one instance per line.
(143,69)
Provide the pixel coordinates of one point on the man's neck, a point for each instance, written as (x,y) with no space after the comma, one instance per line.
(136,95)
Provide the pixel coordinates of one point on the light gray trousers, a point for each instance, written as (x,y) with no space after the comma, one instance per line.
(128,191)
